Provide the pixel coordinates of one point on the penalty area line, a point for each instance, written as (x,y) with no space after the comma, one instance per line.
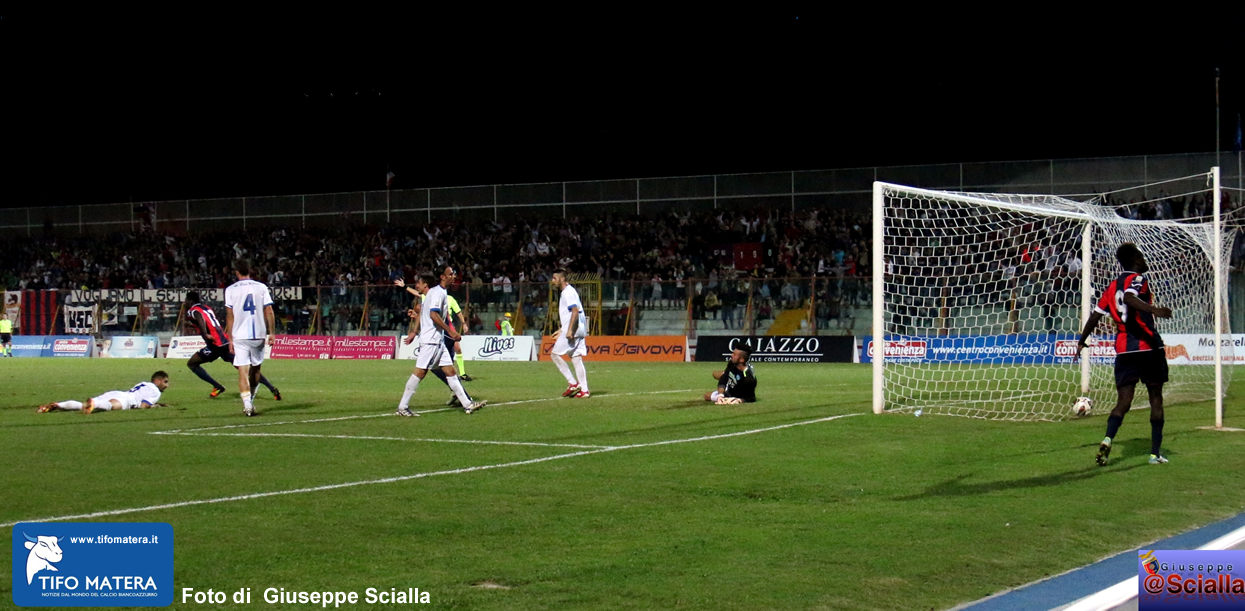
(387,414)
(403,478)
(372,438)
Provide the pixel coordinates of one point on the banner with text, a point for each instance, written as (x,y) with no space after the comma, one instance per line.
(498,347)
(627,347)
(1025,349)
(74,346)
(301,346)
(1018,349)
(779,348)
(364,347)
(13,307)
(1184,349)
(184,346)
(92,564)
(131,347)
(80,320)
(172,296)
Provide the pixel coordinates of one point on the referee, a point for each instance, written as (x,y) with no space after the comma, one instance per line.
(6,333)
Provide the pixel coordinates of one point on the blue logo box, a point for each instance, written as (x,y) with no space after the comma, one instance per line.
(92,564)
(1191,579)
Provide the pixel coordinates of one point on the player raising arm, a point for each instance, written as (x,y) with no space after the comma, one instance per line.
(250,330)
(433,352)
(142,396)
(1138,347)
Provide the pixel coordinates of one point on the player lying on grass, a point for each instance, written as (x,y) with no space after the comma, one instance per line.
(142,396)
(1138,347)
(205,323)
(738,383)
(433,351)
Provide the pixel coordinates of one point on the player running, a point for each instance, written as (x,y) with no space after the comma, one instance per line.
(249,329)
(738,382)
(142,396)
(1138,347)
(433,332)
(572,337)
(205,322)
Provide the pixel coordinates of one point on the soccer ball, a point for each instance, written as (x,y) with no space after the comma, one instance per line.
(1083,406)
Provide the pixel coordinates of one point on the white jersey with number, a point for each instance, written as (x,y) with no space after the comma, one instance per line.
(247,299)
(570,299)
(434,300)
(143,392)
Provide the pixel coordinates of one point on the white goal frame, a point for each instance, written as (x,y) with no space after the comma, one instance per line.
(878,262)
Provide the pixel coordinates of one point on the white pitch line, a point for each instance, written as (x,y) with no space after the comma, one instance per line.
(427,411)
(479,441)
(402,478)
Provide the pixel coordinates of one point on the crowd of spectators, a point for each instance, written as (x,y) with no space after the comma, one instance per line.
(660,252)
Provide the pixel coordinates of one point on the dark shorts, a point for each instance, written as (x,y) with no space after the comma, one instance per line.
(745,389)
(1149,367)
(6,337)
(211,353)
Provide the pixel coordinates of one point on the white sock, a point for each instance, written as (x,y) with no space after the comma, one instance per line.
(103,406)
(579,371)
(457,386)
(566,371)
(411,385)
(72,405)
(715,395)
(246,400)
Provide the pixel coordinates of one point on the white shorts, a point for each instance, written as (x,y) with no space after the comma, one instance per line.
(578,346)
(433,355)
(248,352)
(122,397)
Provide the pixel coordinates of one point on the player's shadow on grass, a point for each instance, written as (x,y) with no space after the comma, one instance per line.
(957,487)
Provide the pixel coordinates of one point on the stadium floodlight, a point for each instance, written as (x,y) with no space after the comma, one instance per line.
(981,297)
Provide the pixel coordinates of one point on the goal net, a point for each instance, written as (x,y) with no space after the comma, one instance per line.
(981,298)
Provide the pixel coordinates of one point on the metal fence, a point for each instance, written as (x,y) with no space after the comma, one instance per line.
(842,188)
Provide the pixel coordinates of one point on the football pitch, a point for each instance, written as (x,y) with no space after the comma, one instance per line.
(642,497)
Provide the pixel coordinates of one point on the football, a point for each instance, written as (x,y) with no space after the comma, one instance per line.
(1083,406)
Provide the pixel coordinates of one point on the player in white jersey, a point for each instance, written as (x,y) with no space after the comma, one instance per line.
(432,332)
(249,321)
(572,337)
(142,396)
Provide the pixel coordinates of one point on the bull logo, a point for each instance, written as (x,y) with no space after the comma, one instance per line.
(43,552)
(1177,351)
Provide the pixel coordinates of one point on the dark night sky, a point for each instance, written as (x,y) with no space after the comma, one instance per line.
(144,127)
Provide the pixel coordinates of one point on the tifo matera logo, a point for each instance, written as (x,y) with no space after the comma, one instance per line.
(43,552)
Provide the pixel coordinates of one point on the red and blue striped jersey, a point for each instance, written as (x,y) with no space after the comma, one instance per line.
(205,320)
(1135,330)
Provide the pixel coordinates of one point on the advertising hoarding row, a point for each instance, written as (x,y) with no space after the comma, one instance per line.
(1037,349)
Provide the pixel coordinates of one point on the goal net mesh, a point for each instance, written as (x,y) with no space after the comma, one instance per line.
(982,302)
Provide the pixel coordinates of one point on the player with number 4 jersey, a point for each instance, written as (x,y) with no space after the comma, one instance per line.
(250,321)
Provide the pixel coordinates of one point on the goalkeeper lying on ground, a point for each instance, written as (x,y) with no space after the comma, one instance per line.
(738,384)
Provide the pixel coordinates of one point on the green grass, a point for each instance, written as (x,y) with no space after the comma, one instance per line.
(864,512)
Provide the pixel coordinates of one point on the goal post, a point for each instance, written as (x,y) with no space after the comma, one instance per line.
(980,298)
